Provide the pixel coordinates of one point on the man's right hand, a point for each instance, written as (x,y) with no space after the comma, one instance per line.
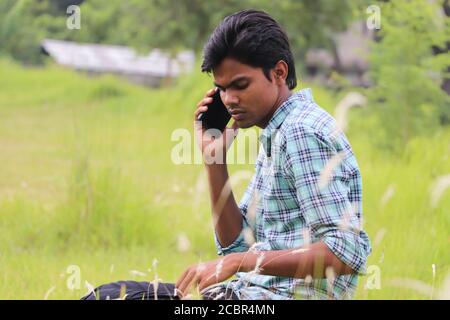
(227,218)
(213,144)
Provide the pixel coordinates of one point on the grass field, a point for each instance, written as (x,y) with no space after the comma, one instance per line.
(86,180)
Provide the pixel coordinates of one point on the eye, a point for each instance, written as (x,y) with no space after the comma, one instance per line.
(241,86)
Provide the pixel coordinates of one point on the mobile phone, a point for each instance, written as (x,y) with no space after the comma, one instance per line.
(217,115)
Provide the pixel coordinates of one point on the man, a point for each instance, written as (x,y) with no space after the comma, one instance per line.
(303,205)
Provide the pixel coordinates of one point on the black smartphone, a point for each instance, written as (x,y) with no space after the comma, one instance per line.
(217,115)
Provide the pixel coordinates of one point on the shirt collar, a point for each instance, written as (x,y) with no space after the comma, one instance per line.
(280,115)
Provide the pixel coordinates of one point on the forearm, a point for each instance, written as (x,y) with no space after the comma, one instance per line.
(296,263)
(227,216)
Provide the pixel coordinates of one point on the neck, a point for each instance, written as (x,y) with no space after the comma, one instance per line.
(285,93)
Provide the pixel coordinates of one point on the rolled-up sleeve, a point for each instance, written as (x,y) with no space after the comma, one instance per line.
(238,245)
(328,211)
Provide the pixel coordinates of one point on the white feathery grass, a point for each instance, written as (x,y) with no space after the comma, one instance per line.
(381,260)
(433,271)
(352,99)
(156,280)
(444,292)
(379,237)
(215,288)
(219,268)
(200,189)
(413,284)
(259,260)
(424,288)
(90,288)
(306,235)
(49,291)
(158,198)
(220,295)
(123,292)
(241,175)
(234,179)
(220,203)
(348,217)
(249,238)
(252,208)
(200,268)
(330,276)
(327,171)
(388,194)
(212,288)
(308,279)
(438,189)
(301,250)
(138,273)
(176,188)
(253,248)
(183,243)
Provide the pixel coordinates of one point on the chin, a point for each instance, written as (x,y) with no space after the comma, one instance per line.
(245,125)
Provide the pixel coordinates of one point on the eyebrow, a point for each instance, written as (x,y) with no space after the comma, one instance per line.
(232,82)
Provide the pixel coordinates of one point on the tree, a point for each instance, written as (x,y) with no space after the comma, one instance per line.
(166,24)
(406,73)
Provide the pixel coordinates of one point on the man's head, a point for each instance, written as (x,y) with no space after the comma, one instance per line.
(250,58)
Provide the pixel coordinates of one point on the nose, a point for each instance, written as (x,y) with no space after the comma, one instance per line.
(230,99)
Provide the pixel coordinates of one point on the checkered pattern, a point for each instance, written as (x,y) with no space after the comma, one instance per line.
(288,204)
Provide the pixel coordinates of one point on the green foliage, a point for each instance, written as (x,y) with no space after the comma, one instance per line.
(406,73)
(18,39)
(167,24)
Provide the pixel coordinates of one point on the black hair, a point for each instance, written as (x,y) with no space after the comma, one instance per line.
(251,37)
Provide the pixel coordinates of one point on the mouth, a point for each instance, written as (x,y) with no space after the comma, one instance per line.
(237,115)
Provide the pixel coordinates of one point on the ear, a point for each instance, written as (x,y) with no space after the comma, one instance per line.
(280,72)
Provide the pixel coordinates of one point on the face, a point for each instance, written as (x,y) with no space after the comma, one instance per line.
(249,96)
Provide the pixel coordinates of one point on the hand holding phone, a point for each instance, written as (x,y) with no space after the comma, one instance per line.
(217,115)
(211,113)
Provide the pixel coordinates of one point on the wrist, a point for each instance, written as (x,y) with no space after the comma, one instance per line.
(209,160)
(216,167)
(240,261)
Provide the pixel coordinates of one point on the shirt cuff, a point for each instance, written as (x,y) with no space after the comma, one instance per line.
(238,245)
(348,248)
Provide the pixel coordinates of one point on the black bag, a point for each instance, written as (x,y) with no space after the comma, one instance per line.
(133,290)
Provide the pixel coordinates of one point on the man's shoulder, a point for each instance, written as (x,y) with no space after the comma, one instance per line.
(308,118)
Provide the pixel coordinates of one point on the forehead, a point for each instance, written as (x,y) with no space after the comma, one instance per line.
(230,69)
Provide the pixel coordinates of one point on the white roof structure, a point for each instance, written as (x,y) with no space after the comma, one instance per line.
(118,59)
(352,48)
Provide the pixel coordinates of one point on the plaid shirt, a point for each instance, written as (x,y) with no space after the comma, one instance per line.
(287,206)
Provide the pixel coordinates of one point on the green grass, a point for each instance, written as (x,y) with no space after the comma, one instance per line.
(86,179)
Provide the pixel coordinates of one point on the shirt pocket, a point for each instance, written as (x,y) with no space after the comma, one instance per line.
(276,190)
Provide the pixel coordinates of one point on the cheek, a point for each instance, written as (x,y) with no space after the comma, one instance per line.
(265,99)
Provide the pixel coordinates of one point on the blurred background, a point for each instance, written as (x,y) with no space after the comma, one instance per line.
(91,92)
